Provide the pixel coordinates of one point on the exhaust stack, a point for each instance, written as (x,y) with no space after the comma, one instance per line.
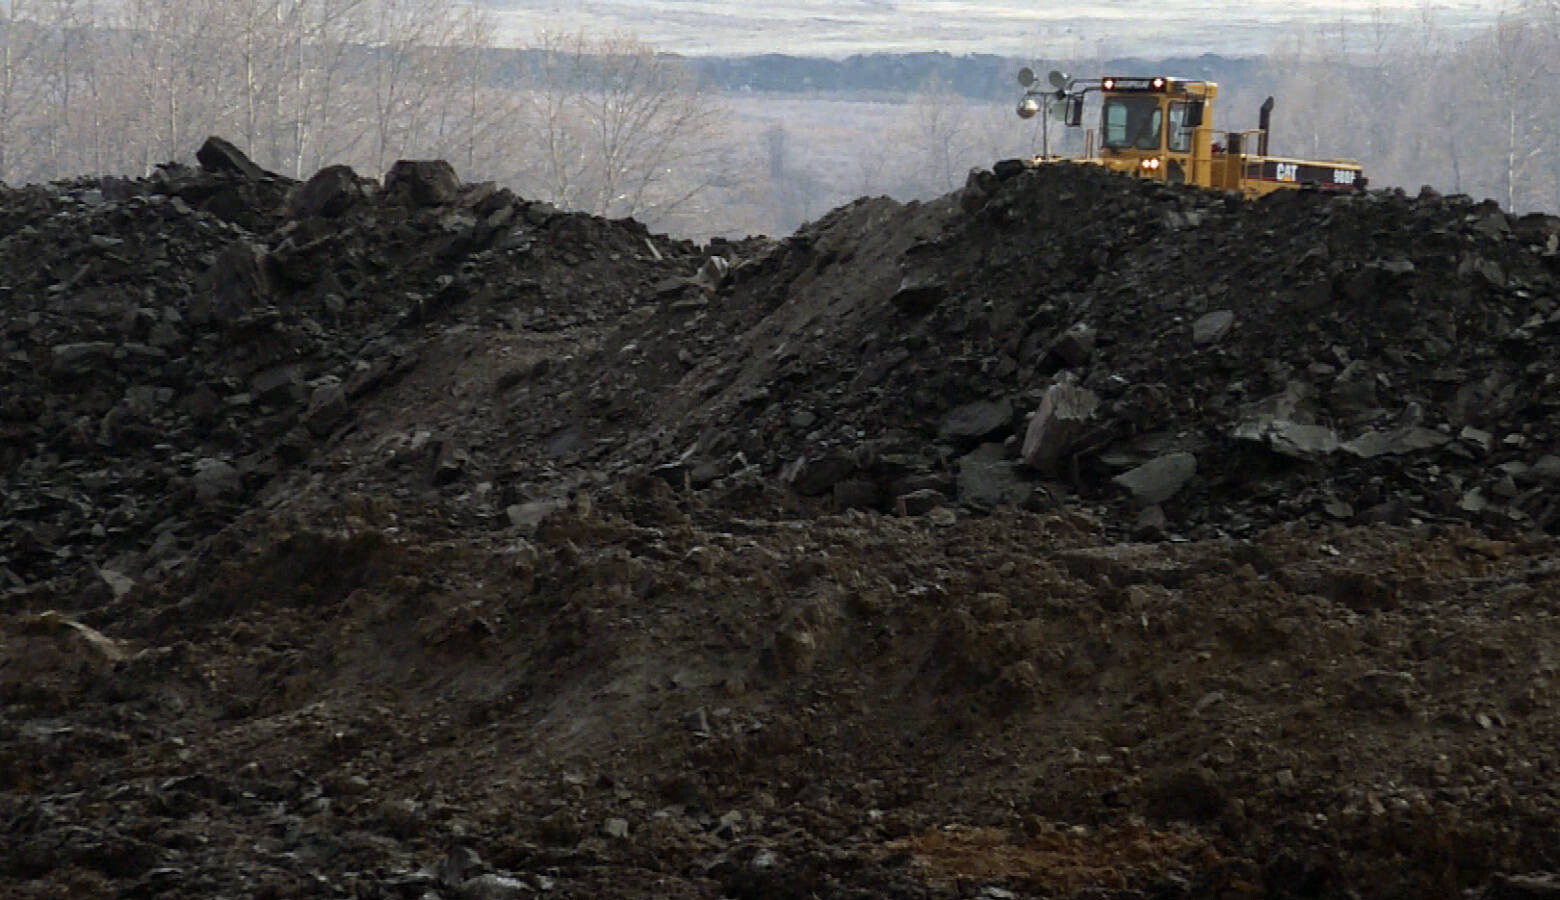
(1263,121)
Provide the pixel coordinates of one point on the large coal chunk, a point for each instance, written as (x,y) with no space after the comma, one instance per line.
(237,282)
(1160,478)
(979,421)
(219,155)
(988,479)
(332,191)
(1064,414)
(811,477)
(421,183)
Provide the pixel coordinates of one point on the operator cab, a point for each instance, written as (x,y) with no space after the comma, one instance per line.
(1149,125)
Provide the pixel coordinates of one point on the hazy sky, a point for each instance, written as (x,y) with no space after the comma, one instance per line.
(1009,27)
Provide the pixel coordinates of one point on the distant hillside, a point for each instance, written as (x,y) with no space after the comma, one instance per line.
(982,76)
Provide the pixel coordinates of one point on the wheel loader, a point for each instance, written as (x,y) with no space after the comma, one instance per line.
(1161,128)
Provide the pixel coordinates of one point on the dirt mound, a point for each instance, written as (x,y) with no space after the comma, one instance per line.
(172,346)
(1380,358)
(409,539)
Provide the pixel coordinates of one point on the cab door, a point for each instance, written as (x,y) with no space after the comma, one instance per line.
(1179,143)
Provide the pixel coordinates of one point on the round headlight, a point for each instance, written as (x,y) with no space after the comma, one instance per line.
(1028,108)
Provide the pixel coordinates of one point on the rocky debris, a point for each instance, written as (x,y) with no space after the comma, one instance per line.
(71,360)
(329,193)
(372,776)
(1297,337)
(1292,438)
(920,503)
(220,155)
(422,183)
(919,294)
(496,887)
(1074,346)
(988,479)
(1397,442)
(215,479)
(1520,887)
(237,284)
(188,338)
(479,549)
(278,384)
(1160,478)
(1212,327)
(1152,524)
(104,649)
(811,477)
(450,463)
(1063,417)
(978,188)
(977,421)
(328,409)
(279,310)
(527,517)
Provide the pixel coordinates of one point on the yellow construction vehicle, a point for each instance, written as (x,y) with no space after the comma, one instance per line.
(1161,128)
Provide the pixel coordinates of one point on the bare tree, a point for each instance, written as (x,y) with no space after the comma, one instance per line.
(394,31)
(623,131)
(1545,17)
(323,36)
(460,71)
(939,136)
(794,193)
(81,108)
(20,40)
(170,60)
(1511,73)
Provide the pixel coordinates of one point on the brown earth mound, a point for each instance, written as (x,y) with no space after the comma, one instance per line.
(1066,537)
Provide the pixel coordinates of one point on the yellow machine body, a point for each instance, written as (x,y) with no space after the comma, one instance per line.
(1162,128)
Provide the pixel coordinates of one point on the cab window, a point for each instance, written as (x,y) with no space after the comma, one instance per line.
(1132,122)
(1180,137)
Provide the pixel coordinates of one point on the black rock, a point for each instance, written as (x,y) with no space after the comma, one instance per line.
(327,410)
(858,493)
(1541,886)
(329,193)
(919,295)
(422,183)
(1160,478)
(237,282)
(980,421)
(988,479)
(219,155)
(811,477)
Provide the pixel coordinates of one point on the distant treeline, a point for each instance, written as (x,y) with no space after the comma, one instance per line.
(977,76)
(713,145)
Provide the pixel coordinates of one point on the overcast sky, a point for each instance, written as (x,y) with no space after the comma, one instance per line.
(1043,29)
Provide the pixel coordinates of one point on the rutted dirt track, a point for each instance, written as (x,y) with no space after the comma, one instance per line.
(1066,537)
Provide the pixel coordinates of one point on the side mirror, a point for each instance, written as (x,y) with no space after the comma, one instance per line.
(1194,115)
(1074,112)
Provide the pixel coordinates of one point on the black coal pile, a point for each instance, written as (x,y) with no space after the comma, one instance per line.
(170,345)
(1179,362)
(1183,362)
(409,539)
